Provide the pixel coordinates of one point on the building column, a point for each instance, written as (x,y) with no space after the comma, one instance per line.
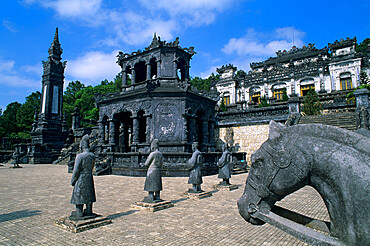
(362,108)
(186,72)
(148,71)
(185,128)
(133,76)
(211,130)
(135,130)
(158,68)
(112,132)
(101,132)
(124,78)
(75,119)
(205,132)
(191,128)
(148,126)
(174,68)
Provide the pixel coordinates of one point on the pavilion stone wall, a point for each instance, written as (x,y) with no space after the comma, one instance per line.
(246,138)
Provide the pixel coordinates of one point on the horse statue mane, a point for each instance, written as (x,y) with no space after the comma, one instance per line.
(334,161)
(339,135)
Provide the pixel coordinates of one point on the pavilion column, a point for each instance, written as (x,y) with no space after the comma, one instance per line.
(186,72)
(148,71)
(185,128)
(135,130)
(112,132)
(205,132)
(175,68)
(101,132)
(158,68)
(133,76)
(124,78)
(191,128)
(148,124)
(211,130)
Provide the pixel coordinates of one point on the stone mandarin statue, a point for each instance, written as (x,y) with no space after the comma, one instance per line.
(195,163)
(82,181)
(224,165)
(153,181)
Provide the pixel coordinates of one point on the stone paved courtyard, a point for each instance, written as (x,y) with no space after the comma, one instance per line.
(34,196)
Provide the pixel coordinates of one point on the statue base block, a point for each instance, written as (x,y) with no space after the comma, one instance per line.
(76,226)
(226,187)
(197,195)
(152,206)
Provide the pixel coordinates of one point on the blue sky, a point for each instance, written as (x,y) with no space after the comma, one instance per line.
(92,32)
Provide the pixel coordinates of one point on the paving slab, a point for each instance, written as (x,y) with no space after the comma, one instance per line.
(33,197)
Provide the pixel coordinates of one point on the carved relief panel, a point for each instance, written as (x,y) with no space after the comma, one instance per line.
(168,121)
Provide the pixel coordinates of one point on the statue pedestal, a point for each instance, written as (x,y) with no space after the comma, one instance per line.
(226,187)
(197,195)
(83,224)
(152,206)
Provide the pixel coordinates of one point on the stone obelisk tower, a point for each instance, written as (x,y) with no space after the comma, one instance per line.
(48,135)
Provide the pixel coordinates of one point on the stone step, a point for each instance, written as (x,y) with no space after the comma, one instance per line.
(344,120)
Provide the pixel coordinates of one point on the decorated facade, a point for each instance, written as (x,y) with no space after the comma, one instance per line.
(333,68)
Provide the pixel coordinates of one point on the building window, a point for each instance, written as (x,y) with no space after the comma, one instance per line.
(226,100)
(278,93)
(346,83)
(306,88)
(256,97)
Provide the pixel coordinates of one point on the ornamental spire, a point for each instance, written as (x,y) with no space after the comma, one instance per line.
(55,51)
(56,37)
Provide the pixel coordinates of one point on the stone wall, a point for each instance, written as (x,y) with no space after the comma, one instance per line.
(246,138)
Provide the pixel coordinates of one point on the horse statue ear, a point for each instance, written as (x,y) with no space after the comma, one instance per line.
(275,130)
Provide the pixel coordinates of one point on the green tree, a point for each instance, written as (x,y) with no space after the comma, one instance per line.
(8,120)
(118,82)
(312,105)
(70,97)
(222,105)
(361,48)
(240,73)
(26,113)
(204,84)
(263,102)
(285,95)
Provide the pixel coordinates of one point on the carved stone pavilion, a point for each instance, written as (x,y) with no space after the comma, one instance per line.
(49,129)
(157,101)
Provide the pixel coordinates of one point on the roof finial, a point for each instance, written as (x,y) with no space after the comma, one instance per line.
(56,36)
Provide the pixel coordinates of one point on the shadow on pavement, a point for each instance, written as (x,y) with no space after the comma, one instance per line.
(117,215)
(18,214)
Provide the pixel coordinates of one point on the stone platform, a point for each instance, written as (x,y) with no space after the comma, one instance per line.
(34,196)
(198,195)
(226,187)
(152,206)
(81,225)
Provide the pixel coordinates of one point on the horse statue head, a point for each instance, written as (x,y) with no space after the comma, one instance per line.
(332,160)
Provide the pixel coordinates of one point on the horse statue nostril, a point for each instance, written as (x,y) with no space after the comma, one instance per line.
(252,209)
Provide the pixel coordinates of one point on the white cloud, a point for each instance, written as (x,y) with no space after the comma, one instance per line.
(134,22)
(190,12)
(264,44)
(93,67)
(70,8)
(10,26)
(132,28)
(12,77)
(35,69)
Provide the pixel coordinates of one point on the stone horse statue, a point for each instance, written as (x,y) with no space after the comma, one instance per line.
(334,161)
